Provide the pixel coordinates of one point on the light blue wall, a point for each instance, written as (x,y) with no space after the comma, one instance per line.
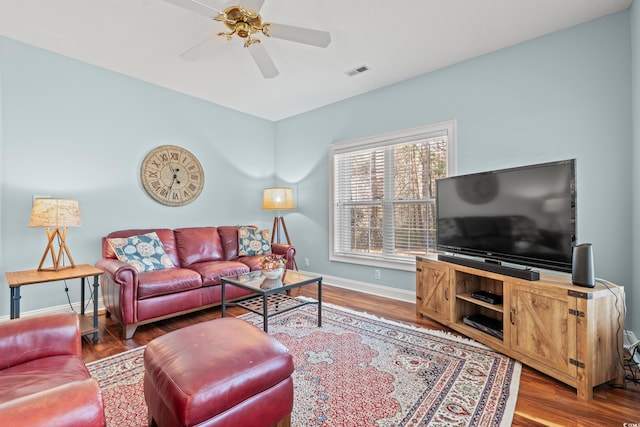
(566,95)
(73,130)
(633,299)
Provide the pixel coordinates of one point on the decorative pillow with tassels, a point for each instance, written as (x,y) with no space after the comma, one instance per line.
(145,252)
(253,241)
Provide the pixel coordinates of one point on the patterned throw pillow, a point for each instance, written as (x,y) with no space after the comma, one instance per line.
(144,252)
(252,241)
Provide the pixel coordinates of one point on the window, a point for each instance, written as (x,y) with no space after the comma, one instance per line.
(382,194)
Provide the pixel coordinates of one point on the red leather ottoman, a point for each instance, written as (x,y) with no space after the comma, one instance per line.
(224,372)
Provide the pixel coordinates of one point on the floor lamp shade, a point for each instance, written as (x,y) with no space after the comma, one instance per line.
(277,198)
(55,214)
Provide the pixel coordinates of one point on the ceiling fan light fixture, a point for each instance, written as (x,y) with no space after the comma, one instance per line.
(240,21)
(243,29)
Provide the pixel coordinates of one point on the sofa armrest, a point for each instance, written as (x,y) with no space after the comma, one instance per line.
(119,285)
(78,403)
(287,251)
(120,272)
(30,338)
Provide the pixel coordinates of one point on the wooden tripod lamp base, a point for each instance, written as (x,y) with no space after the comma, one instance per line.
(278,221)
(275,234)
(56,258)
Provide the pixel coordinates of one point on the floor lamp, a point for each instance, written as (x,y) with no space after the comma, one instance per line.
(55,214)
(278,199)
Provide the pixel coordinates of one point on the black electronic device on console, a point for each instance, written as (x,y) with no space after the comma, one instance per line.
(485,324)
(582,269)
(486,296)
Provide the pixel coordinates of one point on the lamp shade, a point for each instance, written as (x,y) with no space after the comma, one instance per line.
(277,198)
(55,213)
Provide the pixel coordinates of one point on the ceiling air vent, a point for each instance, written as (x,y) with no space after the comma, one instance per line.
(357,71)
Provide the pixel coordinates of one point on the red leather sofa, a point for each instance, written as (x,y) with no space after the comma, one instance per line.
(43,380)
(201,256)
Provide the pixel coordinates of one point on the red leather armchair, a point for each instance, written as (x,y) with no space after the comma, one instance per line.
(43,380)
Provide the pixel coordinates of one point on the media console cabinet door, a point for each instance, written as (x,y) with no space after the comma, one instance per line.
(433,291)
(542,328)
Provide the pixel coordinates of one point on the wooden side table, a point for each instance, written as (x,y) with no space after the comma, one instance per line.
(31,277)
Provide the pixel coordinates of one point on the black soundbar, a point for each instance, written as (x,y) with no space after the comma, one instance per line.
(520,273)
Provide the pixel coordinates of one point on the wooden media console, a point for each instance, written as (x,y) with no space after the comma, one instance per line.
(570,333)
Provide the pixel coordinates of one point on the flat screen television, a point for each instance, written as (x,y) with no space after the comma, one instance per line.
(524,215)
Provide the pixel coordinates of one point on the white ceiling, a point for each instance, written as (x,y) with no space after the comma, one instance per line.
(396,40)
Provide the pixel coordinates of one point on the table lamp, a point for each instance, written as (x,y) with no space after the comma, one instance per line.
(55,214)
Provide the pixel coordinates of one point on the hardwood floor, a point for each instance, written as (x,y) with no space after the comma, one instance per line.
(542,401)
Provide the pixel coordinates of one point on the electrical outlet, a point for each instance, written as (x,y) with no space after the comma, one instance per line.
(306,262)
(377,274)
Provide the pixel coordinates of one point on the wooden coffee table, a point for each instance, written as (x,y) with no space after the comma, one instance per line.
(271,298)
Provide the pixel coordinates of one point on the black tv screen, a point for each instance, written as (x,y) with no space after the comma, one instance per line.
(524,215)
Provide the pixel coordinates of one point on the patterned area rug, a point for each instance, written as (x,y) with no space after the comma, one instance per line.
(358,370)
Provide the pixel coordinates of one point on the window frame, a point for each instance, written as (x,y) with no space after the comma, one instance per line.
(386,140)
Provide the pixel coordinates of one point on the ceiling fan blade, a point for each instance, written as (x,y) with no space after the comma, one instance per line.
(263,60)
(299,34)
(199,50)
(252,5)
(209,8)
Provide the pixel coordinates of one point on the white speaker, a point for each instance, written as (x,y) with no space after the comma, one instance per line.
(582,266)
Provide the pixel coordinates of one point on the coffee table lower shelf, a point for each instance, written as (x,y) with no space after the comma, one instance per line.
(275,304)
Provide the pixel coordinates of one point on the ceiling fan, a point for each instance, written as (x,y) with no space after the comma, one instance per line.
(244,21)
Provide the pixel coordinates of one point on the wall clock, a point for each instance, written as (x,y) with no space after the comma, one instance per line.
(172,175)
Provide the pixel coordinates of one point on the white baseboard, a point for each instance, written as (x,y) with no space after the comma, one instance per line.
(65,308)
(368,288)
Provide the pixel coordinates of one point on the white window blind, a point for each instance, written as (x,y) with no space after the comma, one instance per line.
(383,194)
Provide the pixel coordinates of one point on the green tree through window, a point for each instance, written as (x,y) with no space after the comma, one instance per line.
(383,194)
